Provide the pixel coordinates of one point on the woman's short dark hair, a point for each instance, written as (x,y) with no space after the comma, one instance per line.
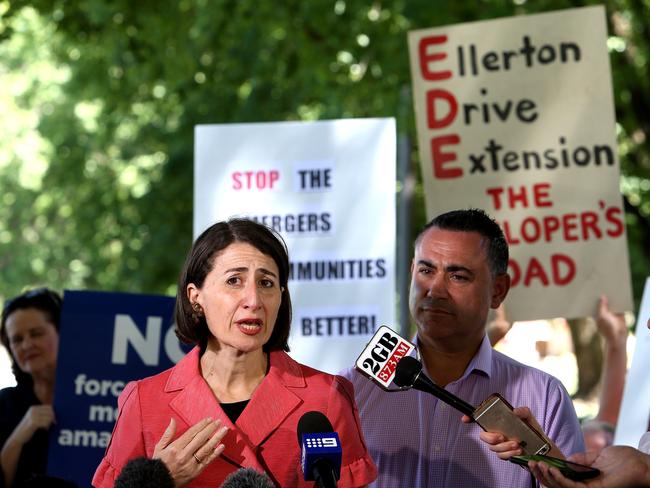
(42,299)
(200,262)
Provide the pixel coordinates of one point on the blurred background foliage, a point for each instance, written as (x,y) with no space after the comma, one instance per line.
(99,101)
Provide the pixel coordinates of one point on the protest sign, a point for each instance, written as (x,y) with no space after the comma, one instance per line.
(106,340)
(516,116)
(328,187)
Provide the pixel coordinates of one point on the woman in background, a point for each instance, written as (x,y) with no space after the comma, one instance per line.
(30,332)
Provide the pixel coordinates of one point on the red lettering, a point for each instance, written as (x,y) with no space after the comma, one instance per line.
(384,374)
(260,180)
(613,216)
(517,195)
(531,232)
(541,195)
(401,350)
(559,278)
(569,225)
(391,364)
(495,193)
(443,96)
(506,231)
(274,176)
(426,58)
(535,271)
(249,176)
(236,182)
(551,224)
(520,195)
(589,221)
(440,158)
(562,271)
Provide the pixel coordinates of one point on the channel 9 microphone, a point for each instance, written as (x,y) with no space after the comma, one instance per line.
(321,450)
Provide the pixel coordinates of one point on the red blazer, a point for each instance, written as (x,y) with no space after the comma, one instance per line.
(264,436)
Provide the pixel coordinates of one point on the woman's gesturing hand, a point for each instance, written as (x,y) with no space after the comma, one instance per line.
(188,455)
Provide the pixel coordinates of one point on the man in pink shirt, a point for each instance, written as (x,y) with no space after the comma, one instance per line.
(458,273)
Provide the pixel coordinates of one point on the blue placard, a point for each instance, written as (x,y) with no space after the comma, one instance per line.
(106,340)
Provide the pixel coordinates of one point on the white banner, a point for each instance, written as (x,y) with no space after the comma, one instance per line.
(328,187)
(634,416)
(516,116)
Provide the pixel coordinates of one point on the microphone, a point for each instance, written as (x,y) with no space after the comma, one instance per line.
(144,473)
(379,358)
(321,450)
(247,478)
(408,373)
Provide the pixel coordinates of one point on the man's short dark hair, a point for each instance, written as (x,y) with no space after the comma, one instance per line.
(475,220)
(200,261)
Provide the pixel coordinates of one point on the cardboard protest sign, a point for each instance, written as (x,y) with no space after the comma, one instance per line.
(328,187)
(106,340)
(516,116)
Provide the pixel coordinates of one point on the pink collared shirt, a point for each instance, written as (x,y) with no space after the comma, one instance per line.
(417,440)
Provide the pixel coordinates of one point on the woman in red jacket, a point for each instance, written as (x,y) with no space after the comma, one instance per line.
(235,400)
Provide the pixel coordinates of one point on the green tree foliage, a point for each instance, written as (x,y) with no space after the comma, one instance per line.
(103,199)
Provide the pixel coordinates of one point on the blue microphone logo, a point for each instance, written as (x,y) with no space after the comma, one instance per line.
(318,448)
(327,440)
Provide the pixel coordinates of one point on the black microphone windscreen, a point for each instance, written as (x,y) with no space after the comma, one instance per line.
(312,423)
(407,370)
(247,478)
(144,473)
(408,375)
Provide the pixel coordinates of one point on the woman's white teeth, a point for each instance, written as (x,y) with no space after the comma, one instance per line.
(250,324)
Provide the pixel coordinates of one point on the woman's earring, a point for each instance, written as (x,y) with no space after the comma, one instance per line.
(197,312)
